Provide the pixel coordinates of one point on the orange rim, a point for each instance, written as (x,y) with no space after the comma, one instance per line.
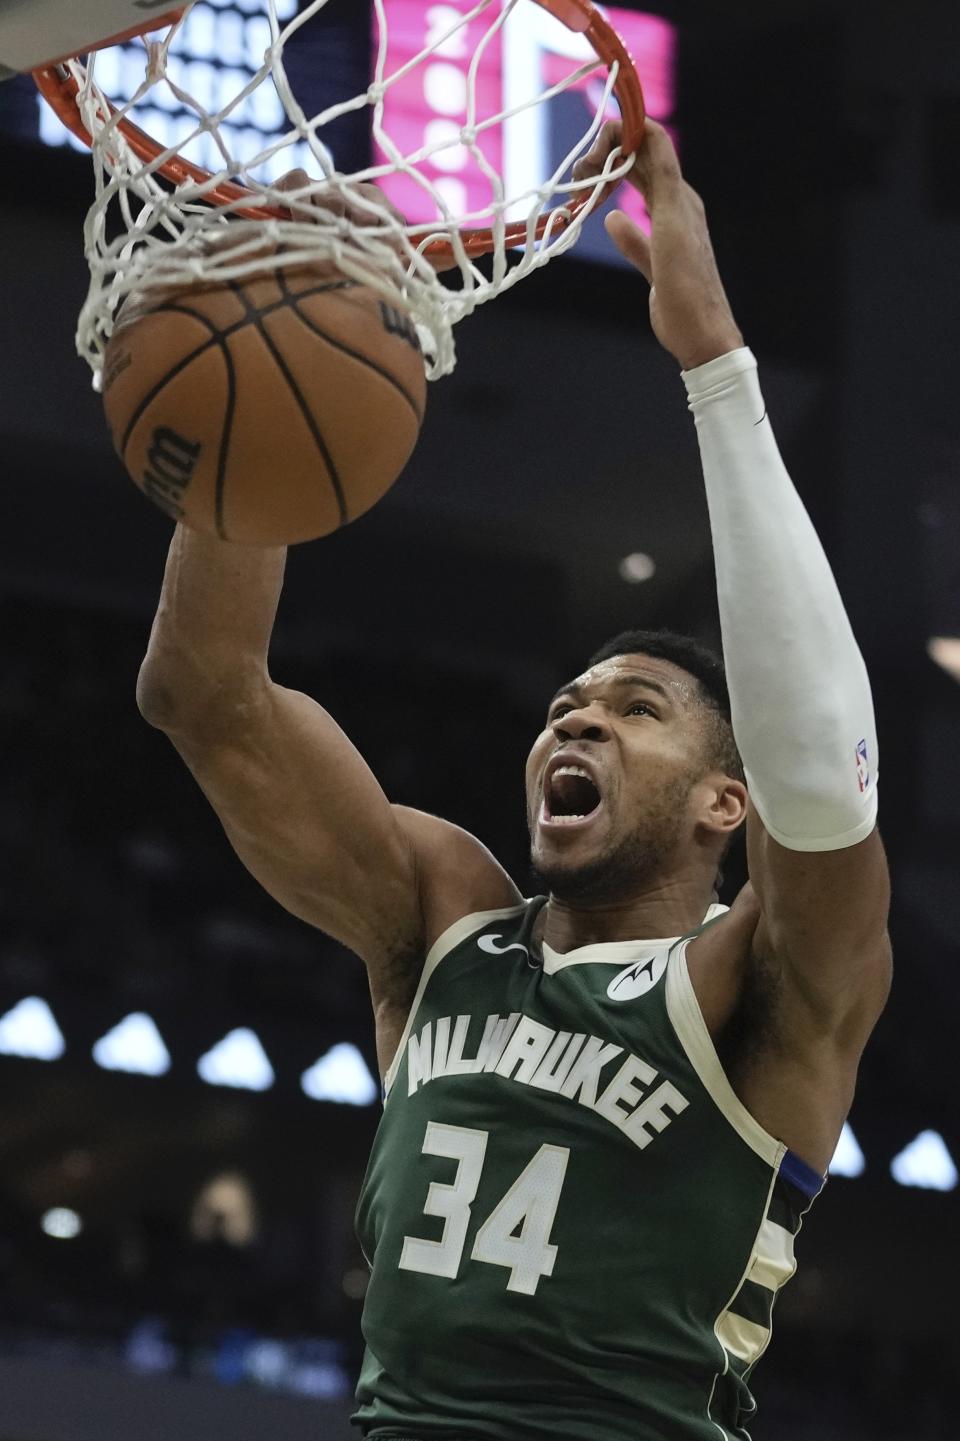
(60,90)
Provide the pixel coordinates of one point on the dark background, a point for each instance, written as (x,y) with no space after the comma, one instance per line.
(825,140)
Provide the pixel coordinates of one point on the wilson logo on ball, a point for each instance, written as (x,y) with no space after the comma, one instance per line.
(395,322)
(267,412)
(170,464)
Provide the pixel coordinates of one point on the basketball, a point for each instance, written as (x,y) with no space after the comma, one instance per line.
(266,411)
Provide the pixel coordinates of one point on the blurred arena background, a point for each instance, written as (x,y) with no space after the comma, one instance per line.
(187,1074)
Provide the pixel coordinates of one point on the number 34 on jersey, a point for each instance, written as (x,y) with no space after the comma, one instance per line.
(516,1234)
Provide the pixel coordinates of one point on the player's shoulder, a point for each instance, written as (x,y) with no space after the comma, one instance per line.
(457,875)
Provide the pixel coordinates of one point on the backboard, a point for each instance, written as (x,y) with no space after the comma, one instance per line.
(37,32)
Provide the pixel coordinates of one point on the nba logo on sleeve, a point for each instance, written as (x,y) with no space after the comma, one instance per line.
(863,768)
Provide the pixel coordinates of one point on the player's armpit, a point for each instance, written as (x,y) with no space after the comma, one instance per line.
(823,920)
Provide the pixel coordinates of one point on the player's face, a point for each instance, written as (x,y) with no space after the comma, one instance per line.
(609,778)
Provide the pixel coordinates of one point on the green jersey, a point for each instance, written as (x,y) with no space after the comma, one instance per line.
(575,1228)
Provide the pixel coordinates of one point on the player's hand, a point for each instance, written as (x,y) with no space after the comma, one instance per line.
(689,309)
(334,203)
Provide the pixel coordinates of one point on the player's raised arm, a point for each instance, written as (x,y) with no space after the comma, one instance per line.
(298,803)
(801,705)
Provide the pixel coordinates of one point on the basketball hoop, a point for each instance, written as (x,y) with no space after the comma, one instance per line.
(180,223)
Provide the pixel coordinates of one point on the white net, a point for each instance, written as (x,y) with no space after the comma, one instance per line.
(146,229)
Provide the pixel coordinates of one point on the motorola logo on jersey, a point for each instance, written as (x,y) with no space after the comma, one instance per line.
(638,978)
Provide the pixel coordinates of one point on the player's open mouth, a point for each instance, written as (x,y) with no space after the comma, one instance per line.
(571,797)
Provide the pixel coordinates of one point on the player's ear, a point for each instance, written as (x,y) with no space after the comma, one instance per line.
(732,807)
(724,804)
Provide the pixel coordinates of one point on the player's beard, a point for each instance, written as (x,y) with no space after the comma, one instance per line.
(629,864)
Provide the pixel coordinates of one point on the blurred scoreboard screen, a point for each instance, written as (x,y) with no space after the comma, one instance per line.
(530,53)
(218,50)
(331,58)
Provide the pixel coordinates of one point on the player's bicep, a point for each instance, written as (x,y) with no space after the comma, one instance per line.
(309,820)
(823,914)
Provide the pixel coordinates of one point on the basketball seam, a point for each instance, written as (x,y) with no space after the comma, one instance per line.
(332,475)
(224,331)
(151,395)
(355,355)
(311,325)
(316,289)
(217,335)
(171,305)
(226,435)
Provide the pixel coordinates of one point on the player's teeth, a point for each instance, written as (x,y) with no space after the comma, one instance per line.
(565,820)
(572,771)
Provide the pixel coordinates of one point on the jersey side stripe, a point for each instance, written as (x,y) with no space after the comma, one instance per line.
(789,1206)
(754,1303)
(733,1340)
(742,1338)
(745,1328)
(775,1261)
(452,937)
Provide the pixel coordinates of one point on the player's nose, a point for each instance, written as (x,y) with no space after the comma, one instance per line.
(586,723)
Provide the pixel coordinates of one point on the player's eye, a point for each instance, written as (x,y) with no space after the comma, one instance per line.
(641,706)
(559,710)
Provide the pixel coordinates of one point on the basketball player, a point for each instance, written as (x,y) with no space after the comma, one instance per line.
(607,1108)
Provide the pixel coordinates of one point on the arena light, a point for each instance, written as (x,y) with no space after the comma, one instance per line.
(149,1349)
(61,1223)
(637,568)
(341,1075)
(268,1362)
(238,1060)
(29,1031)
(926,1163)
(945,650)
(848,1159)
(134,1045)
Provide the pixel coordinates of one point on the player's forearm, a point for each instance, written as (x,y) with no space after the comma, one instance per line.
(800,697)
(212,630)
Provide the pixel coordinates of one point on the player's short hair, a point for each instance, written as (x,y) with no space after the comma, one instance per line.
(707,669)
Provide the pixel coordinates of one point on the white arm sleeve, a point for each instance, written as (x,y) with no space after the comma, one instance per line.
(799,693)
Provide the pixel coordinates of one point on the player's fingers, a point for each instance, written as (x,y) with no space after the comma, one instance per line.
(375,195)
(334,202)
(657,155)
(305,194)
(293,180)
(593,162)
(631,242)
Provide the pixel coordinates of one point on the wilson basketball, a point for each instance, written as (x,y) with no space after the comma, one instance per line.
(268,411)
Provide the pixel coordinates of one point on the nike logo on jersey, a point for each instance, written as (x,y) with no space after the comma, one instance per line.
(489,944)
(638,978)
